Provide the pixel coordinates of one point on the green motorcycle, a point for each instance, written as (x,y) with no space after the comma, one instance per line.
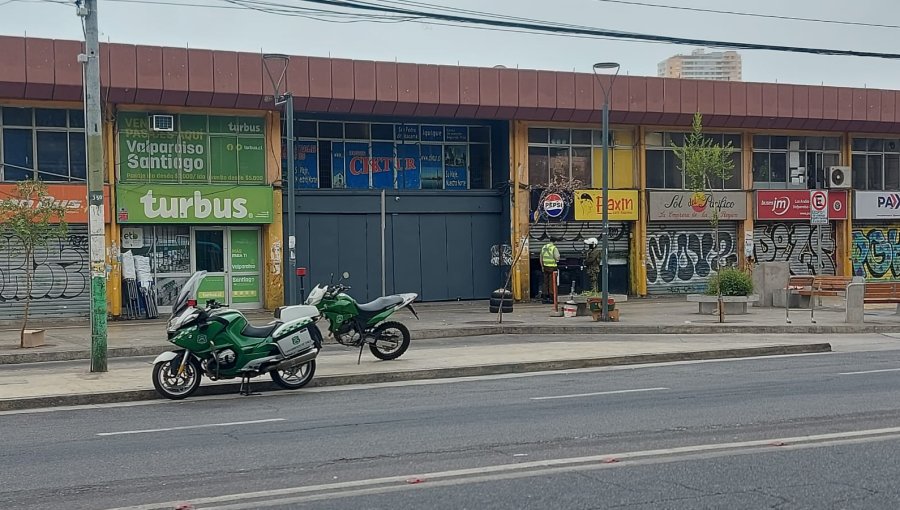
(218,342)
(357,325)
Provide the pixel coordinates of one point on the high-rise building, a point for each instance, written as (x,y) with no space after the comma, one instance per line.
(699,65)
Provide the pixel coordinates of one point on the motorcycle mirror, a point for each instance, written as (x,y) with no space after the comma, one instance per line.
(345,275)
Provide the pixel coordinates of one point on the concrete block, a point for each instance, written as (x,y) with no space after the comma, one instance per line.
(855,304)
(768,278)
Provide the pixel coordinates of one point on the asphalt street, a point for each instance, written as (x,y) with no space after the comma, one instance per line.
(813,431)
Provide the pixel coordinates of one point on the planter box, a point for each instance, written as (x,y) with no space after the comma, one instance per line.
(33,338)
(734,305)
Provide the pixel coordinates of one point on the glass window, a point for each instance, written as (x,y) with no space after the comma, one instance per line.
(761,168)
(778,164)
(858,164)
(734,140)
(382,131)
(814,143)
(656,169)
(832,143)
(45,117)
(304,129)
(559,137)
(676,139)
(356,131)
(559,162)
(653,139)
(479,134)
(331,130)
(673,177)
(325,157)
(480,166)
(13,116)
(18,154)
(538,135)
(734,181)
(892,145)
(874,176)
(76,118)
(778,142)
(892,172)
(760,142)
(77,157)
(581,164)
(538,166)
(875,145)
(859,144)
(581,137)
(53,156)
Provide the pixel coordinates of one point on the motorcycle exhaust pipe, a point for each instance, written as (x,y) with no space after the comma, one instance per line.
(299,360)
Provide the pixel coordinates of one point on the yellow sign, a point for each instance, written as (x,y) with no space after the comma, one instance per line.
(623,205)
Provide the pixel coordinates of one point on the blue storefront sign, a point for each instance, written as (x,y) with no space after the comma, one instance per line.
(432,173)
(381,165)
(306,165)
(338,180)
(356,158)
(409,166)
(432,133)
(456,134)
(456,167)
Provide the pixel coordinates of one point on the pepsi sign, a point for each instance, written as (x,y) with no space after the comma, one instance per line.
(554,205)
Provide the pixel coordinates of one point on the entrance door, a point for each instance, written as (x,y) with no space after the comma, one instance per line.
(230,255)
(209,255)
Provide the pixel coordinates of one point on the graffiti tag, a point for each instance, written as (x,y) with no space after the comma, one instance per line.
(797,244)
(875,253)
(681,262)
(61,271)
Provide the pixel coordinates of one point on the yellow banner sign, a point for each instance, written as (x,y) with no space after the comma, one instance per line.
(623,205)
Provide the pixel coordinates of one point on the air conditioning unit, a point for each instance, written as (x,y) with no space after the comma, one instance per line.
(162,122)
(839,177)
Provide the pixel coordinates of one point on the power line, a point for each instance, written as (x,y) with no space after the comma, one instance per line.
(750,14)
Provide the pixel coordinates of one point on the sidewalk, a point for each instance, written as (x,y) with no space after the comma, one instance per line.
(62,384)
(670,315)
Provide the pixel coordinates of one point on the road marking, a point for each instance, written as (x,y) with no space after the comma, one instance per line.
(871,371)
(189,427)
(351,488)
(613,392)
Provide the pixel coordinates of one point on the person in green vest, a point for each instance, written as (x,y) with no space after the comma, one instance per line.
(592,261)
(549,262)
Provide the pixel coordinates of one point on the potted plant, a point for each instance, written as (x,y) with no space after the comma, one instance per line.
(29,219)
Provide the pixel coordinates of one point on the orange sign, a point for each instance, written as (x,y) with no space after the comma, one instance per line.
(71,196)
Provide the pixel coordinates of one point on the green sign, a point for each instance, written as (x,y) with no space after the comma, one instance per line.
(209,204)
(200,149)
(245,251)
(212,287)
(245,289)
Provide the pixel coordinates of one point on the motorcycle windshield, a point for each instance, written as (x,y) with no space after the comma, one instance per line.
(188,292)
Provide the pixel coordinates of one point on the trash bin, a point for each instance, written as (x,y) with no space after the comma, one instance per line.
(504,296)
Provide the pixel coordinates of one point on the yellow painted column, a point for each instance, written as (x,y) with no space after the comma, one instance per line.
(518,168)
(747,185)
(638,252)
(843,237)
(114,273)
(272,234)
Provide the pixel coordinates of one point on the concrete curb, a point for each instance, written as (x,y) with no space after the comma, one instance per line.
(436,373)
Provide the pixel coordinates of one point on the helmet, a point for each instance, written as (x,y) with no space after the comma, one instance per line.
(591,241)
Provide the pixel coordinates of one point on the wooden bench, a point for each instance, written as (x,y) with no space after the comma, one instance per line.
(871,293)
(811,287)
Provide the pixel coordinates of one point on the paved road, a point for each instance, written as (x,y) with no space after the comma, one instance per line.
(689,435)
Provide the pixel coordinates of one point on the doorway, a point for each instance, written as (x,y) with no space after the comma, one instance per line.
(230,256)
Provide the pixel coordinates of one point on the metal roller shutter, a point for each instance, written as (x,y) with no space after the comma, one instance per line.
(875,251)
(681,255)
(795,242)
(61,279)
(569,237)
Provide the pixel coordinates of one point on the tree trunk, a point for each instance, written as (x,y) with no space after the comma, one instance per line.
(29,278)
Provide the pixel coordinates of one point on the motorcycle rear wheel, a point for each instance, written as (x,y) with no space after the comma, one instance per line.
(295,377)
(171,385)
(388,349)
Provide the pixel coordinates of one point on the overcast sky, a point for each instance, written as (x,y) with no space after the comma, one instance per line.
(238,29)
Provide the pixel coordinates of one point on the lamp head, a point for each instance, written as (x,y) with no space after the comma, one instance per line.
(601,66)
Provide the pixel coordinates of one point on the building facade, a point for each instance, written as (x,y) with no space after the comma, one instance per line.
(700,65)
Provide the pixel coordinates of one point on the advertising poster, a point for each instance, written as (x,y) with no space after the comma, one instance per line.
(245,289)
(245,251)
(406,132)
(306,165)
(382,165)
(456,167)
(622,205)
(338,180)
(432,173)
(432,133)
(212,287)
(356,158)
(409,166)
(456,134)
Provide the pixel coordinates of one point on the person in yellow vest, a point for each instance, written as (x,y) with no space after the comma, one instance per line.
(549,263)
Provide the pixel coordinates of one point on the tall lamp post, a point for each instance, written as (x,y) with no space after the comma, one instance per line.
(286,99)
(598,68)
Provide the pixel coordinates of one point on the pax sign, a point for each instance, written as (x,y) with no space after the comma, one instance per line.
(796,204)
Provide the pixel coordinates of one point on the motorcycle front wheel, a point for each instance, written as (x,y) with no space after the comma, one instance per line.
(170,384)
(391,341)
(295,377)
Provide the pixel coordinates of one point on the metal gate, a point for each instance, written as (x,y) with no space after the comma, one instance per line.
(61,285)
(797,243)
(569,237)
(682,255)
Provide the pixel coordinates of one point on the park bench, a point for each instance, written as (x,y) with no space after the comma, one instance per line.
(860,294)
(812,287)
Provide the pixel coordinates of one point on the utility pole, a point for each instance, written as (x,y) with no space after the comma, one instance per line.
(94,141)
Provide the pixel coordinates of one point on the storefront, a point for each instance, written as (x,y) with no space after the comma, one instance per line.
(875,243)
(682,252)
(568,220)
(61,286)
(782,231)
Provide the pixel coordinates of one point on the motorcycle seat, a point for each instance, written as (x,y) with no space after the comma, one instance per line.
(380,304)
(252,331)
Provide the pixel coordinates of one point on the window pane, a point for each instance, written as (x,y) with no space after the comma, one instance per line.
(53,156)
(778,164)
(761,169)
(892,145)
(874,175)
(325,159)
(559,163)
(832,143)
(656,169)
(538,135)
(735,140)
(46,117)
(858,171)
(673,171)
(778,142)
(760,142)
(892,172)
(814,143)
(13,116)
(479,134)
(76,118)
(875,145)
(674,139)
(304,129)
(18,154)
(581,136)
(581,165)
(559,136)
(538,166)
(860,144)
(77,157)
(651,139)
(480,165)
(357,131)
(734,181)
(331,130)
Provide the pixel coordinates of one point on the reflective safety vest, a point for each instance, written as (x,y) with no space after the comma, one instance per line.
(548,259)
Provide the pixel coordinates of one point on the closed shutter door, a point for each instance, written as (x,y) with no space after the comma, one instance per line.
(797,243)
(682,255)
(569,238)
(61,285)
(875,251)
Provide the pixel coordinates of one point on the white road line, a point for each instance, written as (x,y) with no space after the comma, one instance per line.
(612,392)
(188,427)
(871,371)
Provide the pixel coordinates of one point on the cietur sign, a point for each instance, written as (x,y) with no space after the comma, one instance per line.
(794,205)
(689,205)
(160,203)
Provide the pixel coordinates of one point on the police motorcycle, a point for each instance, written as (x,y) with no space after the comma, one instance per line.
(360,324)
(217,342)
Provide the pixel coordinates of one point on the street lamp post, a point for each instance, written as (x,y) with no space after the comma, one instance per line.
(287,99)
(605,66)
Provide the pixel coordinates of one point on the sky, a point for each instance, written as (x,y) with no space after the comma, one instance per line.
(125,21)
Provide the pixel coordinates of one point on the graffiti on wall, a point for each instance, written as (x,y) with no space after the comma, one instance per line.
(796,243)
(61,269)
(681,262)
(875,252)
(569,236)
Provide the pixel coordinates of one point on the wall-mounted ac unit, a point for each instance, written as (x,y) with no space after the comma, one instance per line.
(162,122)
(839,177)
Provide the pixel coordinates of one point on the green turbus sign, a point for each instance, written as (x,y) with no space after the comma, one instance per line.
(206,204)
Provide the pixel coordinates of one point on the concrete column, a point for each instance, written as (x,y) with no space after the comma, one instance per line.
(855,308)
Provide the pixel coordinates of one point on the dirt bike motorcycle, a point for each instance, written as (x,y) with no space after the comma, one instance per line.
(358,325)
(218,342)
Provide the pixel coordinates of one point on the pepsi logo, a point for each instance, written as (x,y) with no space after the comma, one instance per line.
(554,205)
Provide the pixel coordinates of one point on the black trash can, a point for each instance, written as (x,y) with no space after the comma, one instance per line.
(504,297)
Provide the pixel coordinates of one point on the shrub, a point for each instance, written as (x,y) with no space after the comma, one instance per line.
(734,283)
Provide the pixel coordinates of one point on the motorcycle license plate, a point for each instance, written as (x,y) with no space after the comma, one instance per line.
(296,342)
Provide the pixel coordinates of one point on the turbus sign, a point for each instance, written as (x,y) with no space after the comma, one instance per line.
(161,203)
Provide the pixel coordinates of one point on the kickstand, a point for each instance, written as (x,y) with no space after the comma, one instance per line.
(245,386)
(359,358)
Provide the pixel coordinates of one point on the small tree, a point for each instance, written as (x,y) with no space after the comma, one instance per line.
(702,161)
(30,219)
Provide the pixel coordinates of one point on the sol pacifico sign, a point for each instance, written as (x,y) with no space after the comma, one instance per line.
(211,204)
(622,205)
(794,205)
(73,197)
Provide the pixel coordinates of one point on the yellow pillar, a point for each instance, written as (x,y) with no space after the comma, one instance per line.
(638,252)
(521,203)
(273,238)
(843,236)
(747,185)
(114,275)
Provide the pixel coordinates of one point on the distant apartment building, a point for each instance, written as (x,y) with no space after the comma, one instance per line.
(699,65)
